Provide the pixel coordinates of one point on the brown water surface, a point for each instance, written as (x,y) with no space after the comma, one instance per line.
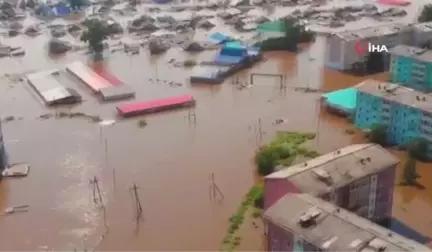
(170,159)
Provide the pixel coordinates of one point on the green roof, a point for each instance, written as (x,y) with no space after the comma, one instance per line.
(344,99)
(272,26)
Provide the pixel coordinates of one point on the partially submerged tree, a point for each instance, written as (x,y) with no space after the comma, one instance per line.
(378,134)
(425,14)
(267,157)
(409,176)
(418,149)
(95,35)
(294,34)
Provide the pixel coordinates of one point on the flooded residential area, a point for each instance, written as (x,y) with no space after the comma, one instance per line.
(103,177)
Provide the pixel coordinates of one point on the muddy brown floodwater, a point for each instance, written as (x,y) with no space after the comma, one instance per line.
(169,159)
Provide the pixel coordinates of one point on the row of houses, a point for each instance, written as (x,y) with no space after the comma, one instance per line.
(332,203)
(340,52)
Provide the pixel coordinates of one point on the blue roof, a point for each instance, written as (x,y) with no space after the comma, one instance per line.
(227,59)
(219,38)
(343,99)
(253,51)
(234,45)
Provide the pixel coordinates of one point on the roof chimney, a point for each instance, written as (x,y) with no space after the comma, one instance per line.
(307,219)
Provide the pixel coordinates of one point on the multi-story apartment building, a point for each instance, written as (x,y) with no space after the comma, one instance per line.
(302,222)
(358,177)
(407,113)
(412,67)
(340,52)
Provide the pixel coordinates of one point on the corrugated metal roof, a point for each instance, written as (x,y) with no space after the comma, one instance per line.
(416,53)
(343,166)
(48,88)
(397,93)
(334,229)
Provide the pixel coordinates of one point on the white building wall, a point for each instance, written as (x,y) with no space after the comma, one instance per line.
(334,54)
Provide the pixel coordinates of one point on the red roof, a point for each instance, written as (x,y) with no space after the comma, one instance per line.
(394,2)
(155,104)
(88,76)
(102,71)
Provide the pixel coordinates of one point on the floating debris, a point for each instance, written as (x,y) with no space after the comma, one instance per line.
(16,209)
(142,123)
(16,170)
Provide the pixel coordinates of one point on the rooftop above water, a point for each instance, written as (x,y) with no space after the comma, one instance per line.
(338,168)
(375,31)
(334,229)
(420,54)
(397,93)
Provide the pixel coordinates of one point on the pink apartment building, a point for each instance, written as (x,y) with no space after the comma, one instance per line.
(302,222)
(359,178)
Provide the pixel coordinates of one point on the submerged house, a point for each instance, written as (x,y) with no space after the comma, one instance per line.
(359,178)
(302,222)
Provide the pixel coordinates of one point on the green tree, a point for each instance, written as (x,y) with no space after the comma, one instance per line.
(294,34)
(425,14)
(76,4)
(409,176)
(267,157)
(378,134)
(418,149)
(95,35)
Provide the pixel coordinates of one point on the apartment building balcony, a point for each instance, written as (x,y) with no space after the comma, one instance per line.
(419,72)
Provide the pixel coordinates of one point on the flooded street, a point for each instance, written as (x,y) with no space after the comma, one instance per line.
(171,159)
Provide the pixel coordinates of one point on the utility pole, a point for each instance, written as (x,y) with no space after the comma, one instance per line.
(214,190)
(260,132)
(136,198)
(107,165)
(192,116)
(318,108)
(282,84)
(96,193)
